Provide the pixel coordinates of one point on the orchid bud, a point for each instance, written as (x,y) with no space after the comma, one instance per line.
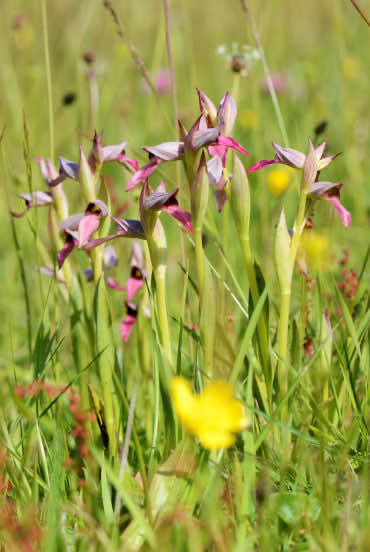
(207,106)
(227,112)
(282,254)
(310,168)
(240,197)
(199,193)
(86,178)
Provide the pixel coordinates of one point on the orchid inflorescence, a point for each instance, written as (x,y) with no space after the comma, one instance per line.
(203,151)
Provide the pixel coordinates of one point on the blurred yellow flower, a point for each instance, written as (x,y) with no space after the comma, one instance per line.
(314,251)
(350,67)
(211,416)
(248,118)
(279,179)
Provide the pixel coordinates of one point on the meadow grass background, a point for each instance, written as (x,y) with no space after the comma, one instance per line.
(319,501)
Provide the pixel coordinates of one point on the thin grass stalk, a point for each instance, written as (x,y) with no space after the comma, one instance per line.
(48,76)
(266,68)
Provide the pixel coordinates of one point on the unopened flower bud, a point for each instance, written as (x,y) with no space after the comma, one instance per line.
(199,193)
(240,197)
(282,254)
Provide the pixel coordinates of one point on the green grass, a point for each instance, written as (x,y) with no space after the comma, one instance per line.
(298,477)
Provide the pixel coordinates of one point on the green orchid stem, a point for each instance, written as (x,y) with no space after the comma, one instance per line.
(97,261)
(160,281)
(105,346)
(200,260)
(262,323)
(285,303)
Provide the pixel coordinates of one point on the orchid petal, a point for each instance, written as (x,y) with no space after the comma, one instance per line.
(320,188)
(262,164)
(110,258)
(157,200)
(125,229)
(131,228)
(289,156)
(205,137)
(68,168)
(128,323)
(66,251)
(323,163)
(345,215)
(221,197)
(112,153)
(132,287)
(182,216)
(88,274)
(127,161)
(142,174)
(136,255)
(319,150)
(88,225)
(167,151)
(48,171)
(35,199)
(214,169)
(72,222)
(113,284)
(227,112)
(219,151)
(161,187)
(231,143)
(207,106)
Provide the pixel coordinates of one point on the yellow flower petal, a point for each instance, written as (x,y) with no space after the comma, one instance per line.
(279,179)
(212,416)
(315,250)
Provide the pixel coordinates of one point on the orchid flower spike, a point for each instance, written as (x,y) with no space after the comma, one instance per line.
(314,162)
(294,158)
(212,129)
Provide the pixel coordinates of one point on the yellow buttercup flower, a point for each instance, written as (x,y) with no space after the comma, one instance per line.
(314,250)
(212,416)
(279,179)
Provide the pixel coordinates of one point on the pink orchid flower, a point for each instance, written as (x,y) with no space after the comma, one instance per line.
(329,191)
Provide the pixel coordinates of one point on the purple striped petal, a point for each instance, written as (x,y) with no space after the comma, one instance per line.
(112,153)
(167,151)
(289,156)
